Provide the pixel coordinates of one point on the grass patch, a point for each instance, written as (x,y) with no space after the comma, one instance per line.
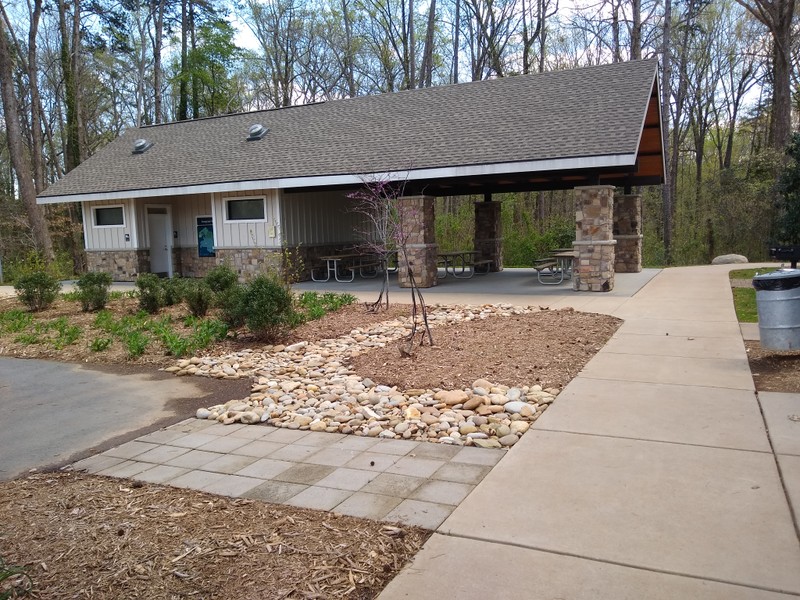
(314,305)
(750,273)
(744,301)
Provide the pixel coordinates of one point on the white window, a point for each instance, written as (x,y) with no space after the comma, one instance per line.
(246,209)
(109,216)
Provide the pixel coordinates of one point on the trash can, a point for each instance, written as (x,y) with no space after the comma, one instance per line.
(778,302)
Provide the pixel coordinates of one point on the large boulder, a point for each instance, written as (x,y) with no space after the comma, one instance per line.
(730,259)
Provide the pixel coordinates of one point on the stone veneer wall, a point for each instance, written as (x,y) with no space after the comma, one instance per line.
(189,264)
(489,234)
(417,217)
(249,262)
(594,243)
(628,233)
(122,265)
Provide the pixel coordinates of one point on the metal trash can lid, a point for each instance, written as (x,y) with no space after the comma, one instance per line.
(782,279)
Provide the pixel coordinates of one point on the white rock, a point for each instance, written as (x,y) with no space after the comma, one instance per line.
(729,259)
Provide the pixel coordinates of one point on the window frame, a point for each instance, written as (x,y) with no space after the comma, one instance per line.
(97,208)
(226,212)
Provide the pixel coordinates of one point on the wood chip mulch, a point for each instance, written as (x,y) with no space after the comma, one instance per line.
(83,536)
(773,370)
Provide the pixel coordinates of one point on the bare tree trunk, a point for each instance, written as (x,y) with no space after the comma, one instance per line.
(636,30)
(412,58)
(426,69)
(72,151)
(183,91)
(349,67)
(158,8)
(456,31)
(666,95)
(19,162)
(37,136)
(616,51)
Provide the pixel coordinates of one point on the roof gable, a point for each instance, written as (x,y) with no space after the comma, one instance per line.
(592,117)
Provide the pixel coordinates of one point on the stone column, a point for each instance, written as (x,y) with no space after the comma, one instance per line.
(594,242)
(489,234)
(417,223)
(628,233)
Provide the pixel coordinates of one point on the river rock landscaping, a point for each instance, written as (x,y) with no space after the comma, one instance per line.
(321,386)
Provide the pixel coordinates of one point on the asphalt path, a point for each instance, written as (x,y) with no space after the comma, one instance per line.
(53,413)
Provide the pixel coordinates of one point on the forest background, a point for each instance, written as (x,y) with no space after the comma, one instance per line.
(76,73)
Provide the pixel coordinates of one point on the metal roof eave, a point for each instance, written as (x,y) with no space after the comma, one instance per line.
(555,164)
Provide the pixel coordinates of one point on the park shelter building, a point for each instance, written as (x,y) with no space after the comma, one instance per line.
(249,189)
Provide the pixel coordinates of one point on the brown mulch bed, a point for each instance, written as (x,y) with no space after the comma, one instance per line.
(774,371)
(96,537)
(548,348)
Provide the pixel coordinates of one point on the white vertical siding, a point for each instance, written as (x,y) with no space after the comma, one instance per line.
(265,234)
(109,238)
(184,209)
(314,218)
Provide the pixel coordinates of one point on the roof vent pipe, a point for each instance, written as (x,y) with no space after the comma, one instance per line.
(256,132)
(141,145)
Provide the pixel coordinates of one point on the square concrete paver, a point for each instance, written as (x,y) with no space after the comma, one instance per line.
(368,506)
(348,479)
(305,473)
(229,463)
(194,459)
(194,440)
(223,430)
(416,467)
(265,468)
(436,451)
(390,484)
(706,512)
(333,457)
(276,492)
(95,464)
(287,436)
(160,474)
(319,498)
(396,447)
(479,456)
(162,436)
(782,413)
(162,454)
(253,432)
(127,469)
(294,452)
(197,480)
(461,473)
(419,513)
(442,492)
(549,576)
(353,442)
(258,448)
(372,461)
(790,470)
(224,444)
(320,439)
(130,449)
(233,485)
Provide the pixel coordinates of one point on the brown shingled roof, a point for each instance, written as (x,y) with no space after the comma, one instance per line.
(593,113)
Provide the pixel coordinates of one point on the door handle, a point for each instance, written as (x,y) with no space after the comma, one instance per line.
(165,248)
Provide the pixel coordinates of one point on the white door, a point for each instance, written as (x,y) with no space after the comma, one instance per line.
(159,228)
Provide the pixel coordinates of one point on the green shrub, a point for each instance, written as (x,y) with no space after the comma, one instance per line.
(173,290)
(316,305)
(105,321)
(37,290)
(67,334)
(221,278)
(100,344)
(199,297)
(268,307)
(151,292)
(231,305)
(176,344)
(93,290)
(208,331)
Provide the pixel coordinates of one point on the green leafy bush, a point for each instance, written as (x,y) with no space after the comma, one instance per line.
(316,305)
(221,278)
(231,305)
(151,292)
(37,290)
(136,343)
(173,290)
(67,334)
(199,297)
(268,308)
(93,291)
(208,331)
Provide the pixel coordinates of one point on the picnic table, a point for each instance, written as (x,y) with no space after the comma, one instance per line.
(462,264)
(367,264)
(556,267)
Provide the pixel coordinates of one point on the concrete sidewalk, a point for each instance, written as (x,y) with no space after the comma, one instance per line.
(652,476)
